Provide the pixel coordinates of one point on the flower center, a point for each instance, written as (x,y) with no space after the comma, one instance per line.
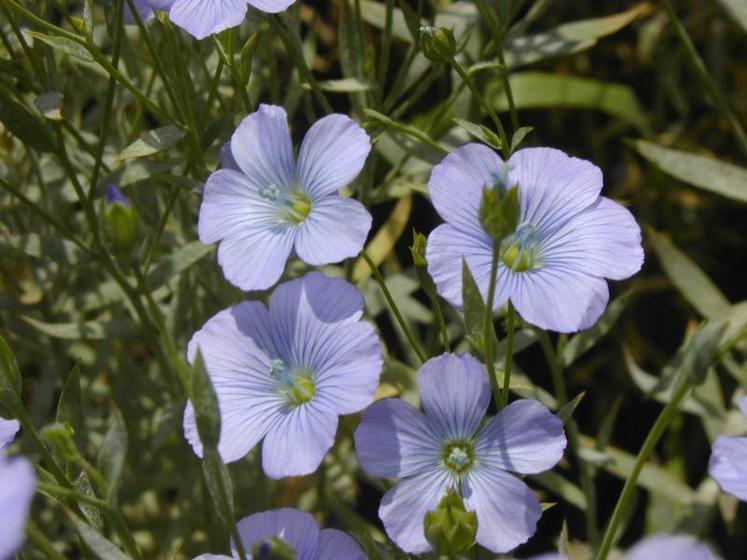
(459,456)
(294,204)
(297,385)
(520,251)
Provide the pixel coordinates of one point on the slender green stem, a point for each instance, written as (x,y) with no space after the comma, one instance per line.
(42,542)
(657,430)
(155,53)
(467,79)
(700,68)
(393,306)
(586,476)
(386,45)
(488,333)
(109,100)
(503,70)
(293,46)
(510,323)
(439,314)
(412,131)
(229,60)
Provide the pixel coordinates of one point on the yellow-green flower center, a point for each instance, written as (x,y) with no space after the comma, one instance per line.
(459,456)
(294,204)
(520,251)
(296,385)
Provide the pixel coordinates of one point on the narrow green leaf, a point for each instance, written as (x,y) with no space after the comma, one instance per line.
(219,483)
(480,133)
(540,90)
(101,547)
(519,136)
(569,408)
(152,142)
(205,403)
(64,45)
(689,278)
(474,310)
(737,9)
(10,375)
(25,126)
(347,85)
(44,247)
(585,340)
(710,174)
(174,264)
(50,105)
(113,451)
(70,408)
(86,330)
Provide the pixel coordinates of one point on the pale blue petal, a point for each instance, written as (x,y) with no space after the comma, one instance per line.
(271,6)
(603,240)
(262,148)
(559,299)
(728,465)
(161,4)
(553,187)
(297,528)
(314,295)
(17,484)
(298,441)
(524,437)
(332,155)
(670,547)
(254,247)
(204,17)
(446,248)
(336,544)
(256,260)
(456,185)
(403,508)
(8,431)
(227,160)
(240,371)
(348,363)
(143,8)
(212,557)
(455,393)
(507,510)
(231,207)
(394,440)
(335,229)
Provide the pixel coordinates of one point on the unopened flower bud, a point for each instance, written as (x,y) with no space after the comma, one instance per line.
(438,43)
(450,528)
(120,220)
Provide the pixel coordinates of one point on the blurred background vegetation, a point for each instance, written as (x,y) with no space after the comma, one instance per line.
(87,289)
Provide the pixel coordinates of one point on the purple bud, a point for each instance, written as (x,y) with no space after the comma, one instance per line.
(115,195)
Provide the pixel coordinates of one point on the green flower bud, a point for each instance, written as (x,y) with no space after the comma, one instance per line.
(60,438)
(274,549)
(450,528)
(438,43)
(418,249)
(120,221)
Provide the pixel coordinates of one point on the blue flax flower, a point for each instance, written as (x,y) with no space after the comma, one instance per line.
(295,529)
(448,447)
(728,464)
(658,547)
(201,18)
(263,205)
(285,373)
(17,484)
(569,239)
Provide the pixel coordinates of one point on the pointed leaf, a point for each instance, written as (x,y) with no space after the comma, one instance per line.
(70,408)
(113,451)
(152,142)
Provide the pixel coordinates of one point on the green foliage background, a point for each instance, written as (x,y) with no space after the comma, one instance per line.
(655,93)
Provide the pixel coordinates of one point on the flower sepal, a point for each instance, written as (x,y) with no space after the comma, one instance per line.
(450,528)
(500,211)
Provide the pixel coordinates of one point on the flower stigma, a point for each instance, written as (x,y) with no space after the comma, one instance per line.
(459,457)
(297,385)
(520,251)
